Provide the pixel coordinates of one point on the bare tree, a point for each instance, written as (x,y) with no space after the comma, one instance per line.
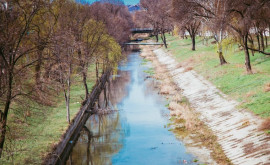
(158,15)
(241,14)
(184,14)
(18,54)
(62,63)
(43,43)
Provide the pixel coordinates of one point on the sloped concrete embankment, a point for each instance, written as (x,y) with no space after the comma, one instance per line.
(237,130)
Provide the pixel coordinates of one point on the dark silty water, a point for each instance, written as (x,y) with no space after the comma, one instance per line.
(137,133)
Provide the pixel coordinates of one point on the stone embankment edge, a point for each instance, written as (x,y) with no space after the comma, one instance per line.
(237,130)
(61,152)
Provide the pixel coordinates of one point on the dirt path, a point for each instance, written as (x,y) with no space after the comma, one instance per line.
(237,130)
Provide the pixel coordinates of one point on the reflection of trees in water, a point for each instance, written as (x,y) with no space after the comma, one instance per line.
(103,135)
(151,90)
(115,90)
(118,87)
(98,145)
(150,87)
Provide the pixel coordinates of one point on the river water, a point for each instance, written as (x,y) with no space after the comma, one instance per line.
(137,133)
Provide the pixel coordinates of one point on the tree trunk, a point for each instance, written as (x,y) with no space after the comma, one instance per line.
(258,40)
(89,137)
(252,43)
(5,114)
(266,41)
(105,97)
(220,54)
(85,85)
(193,42)
(38,66)
(70,159)
(67,94)
(163,37)
(203,40)
(96,71)
(247,57)
(222,59)
(67,99)
(156,38)
(165,42)
(262,41)
(67,108)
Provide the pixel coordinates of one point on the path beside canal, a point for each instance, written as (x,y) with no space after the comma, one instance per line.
(237,129)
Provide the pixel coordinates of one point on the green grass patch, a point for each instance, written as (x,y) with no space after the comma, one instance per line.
(144,62)
(231,78)
(33,138)
(150,71)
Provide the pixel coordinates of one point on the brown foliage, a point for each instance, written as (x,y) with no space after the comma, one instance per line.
(265,125)
(267,87)
(39,41)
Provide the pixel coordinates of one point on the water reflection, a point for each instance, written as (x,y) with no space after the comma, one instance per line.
(137,133)
(98,141)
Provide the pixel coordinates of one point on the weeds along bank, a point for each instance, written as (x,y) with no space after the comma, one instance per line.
(184,121)
(237,130)
(252,91)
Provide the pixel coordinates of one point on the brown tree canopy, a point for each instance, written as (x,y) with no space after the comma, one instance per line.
(43,43)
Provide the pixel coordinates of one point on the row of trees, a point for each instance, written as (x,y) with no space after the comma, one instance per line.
(45,44)
(245,22)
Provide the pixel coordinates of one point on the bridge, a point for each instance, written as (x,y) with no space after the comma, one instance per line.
(142,43)
(135,46)
(142,30)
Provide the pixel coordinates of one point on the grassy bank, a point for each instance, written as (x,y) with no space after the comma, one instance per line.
(32,138)
(250,90)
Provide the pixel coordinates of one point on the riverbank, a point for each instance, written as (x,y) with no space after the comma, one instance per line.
(236,130)
(43,128)
(251,91)
(184,121)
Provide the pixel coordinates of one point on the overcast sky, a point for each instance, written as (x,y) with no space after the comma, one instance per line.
(127,2)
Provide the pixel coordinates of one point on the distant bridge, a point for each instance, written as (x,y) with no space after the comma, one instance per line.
(140,43)
(136,45)
(142,30)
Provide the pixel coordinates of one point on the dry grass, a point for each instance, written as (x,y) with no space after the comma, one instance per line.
(267,87)
(245,124)
(177,98)
(155,63)
(160,76)
(166,90)
(185,120)
(239,65)
(167,81)
(200,134)
(150,58)
(160,70)
(180,65)
(174,106)
(175,113)
(249,94)
(143,54)
(265,125)
(182,111)
(188,69)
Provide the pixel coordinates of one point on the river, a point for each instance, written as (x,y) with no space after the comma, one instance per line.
(135,134)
